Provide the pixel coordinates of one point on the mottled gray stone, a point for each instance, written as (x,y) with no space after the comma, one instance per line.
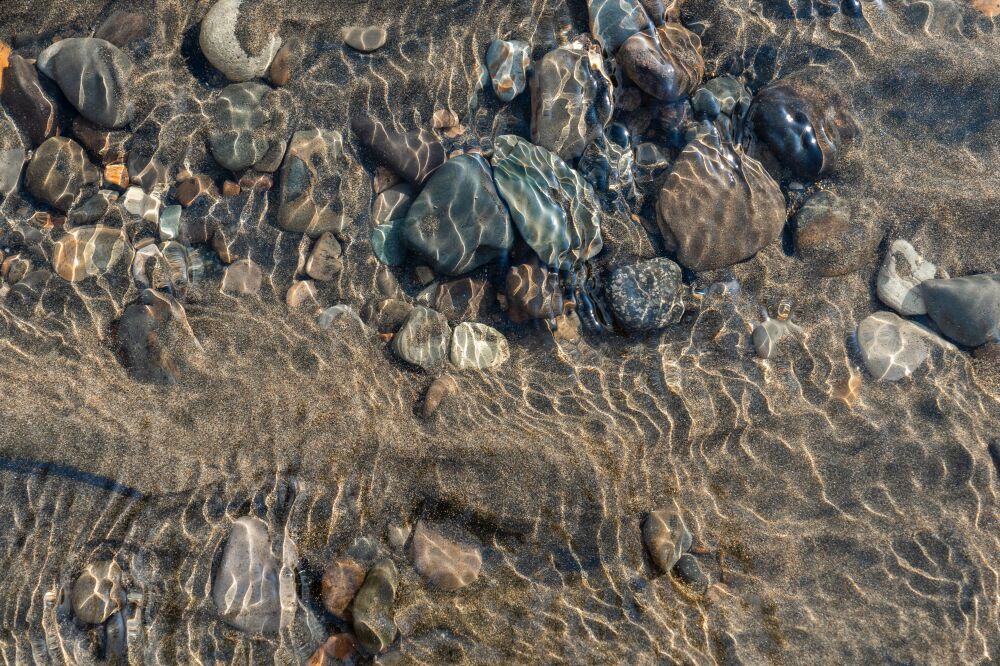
(57,172)
(221,46)
(95,76)
(424,338)
(691,574)
(898,282)
(458,222)
(551,205)
(245,125)
(892,348)
(508,63)
(647,295)
(666,64)
(966,309)
(477,346)
(614,21)
(836,237)
(246,589)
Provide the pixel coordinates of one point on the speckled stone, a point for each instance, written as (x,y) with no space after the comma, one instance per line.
(666,538)
(571,100)
(223,48)
(414,155)
(666,64)
(966,309)
(508,63)
(718,206)
(476,346)
(95,76)
(446,563)
(424,338)
(365,38)
(647,295)
(551,205)
(458,222)
(58,171)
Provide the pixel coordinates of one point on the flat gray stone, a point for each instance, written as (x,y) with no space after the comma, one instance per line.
(246,588)
(892,348)
(899,279)
(966,309)
(424,338)
(365,38)
(477,346)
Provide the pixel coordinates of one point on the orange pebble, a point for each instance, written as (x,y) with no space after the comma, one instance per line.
(117,175)
(230,189)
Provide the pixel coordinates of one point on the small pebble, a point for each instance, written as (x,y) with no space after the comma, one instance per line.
(365,39)
(301,294)
(440,388)
(341,581)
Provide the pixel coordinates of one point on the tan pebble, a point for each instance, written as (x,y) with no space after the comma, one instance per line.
(230,189)
(300,294)
(440,389)
(336,650)
(444,118)
(341,581)
(117,175)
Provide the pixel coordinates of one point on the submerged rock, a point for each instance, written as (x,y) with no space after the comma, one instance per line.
(413,155)
(245,125)
(571,100)
(387,243)
(97,592)
(88,251)
(770,332)
(689,571)
(336,313)
(24,97)
(666,538)
(533,292)
(647,295)
(966,309)
(552,206)
(477,346)
(723,95)
(313,182)
(803,124)
(439,390)
(508,63)
(365,39)
(11,164)
(242,278)
(424,338)
(121,28)
(458,221)
(95,76)
(324,262)
(898,282)
(892,347)
(374,624)
(336,650)
(393,203)
(138,335)
(58,171)
(718,206)
(238,59)
(666,64)
(832,238)
(614,21)
(447,564)
(245,589)
(341,581)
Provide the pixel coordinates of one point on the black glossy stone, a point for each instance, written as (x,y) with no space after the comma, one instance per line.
(414,155)
(458,222)
(95,76)
(690,572)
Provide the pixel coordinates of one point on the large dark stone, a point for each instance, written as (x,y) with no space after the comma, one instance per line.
(966,309)
(246,122)
(413,155)
(666,64)
(458,221)
(832,238)
(647,295)
(614,21)
(58,171)
(95,77)
(718,206)
(24,97)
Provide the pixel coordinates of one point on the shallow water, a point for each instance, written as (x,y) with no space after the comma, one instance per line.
(840,519)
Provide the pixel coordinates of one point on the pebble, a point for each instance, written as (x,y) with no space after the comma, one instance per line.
(374,624)
(285,61)
(222,243)
(614,21)
(246,125)
(230,189)
(242,278)
(393,203)
(477,346)
(225,50)
(324,262)
(966,309)
(423,339)
(414,155)
(552,206)
(892,347)
(95,76)
(718,206)
(88,251)
(97,592)
(11,164)
(689,571)
(365,39)
(138,336)
(335,313)
(122,28)
(646,295)
(170,222)
(140,204)
(58,171)
(194,188)
(448,564)
(26,100)
(508,63)
(246,588)
(337,649)
(93,209)
(106,146)
(116,175)
(458,222)
(533,292)
(803,124)
(387,244)
(898,282)
(666,538)
(770,332)
(666,64)
(832,238)
(341,581)
(301,294)
(439,390)
(14,268)
(310,198)
(571,101)
(723,95)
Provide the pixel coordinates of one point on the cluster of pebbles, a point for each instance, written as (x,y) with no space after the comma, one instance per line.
(526,212)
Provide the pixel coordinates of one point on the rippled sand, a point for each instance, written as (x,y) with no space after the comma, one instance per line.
(841,520)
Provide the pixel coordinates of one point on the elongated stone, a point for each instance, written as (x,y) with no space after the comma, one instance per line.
(220,41)
(551,205)
(24,97)
(413,155)
(245,589)
(966,309)
(95,76)
(374,623)
(508,63)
